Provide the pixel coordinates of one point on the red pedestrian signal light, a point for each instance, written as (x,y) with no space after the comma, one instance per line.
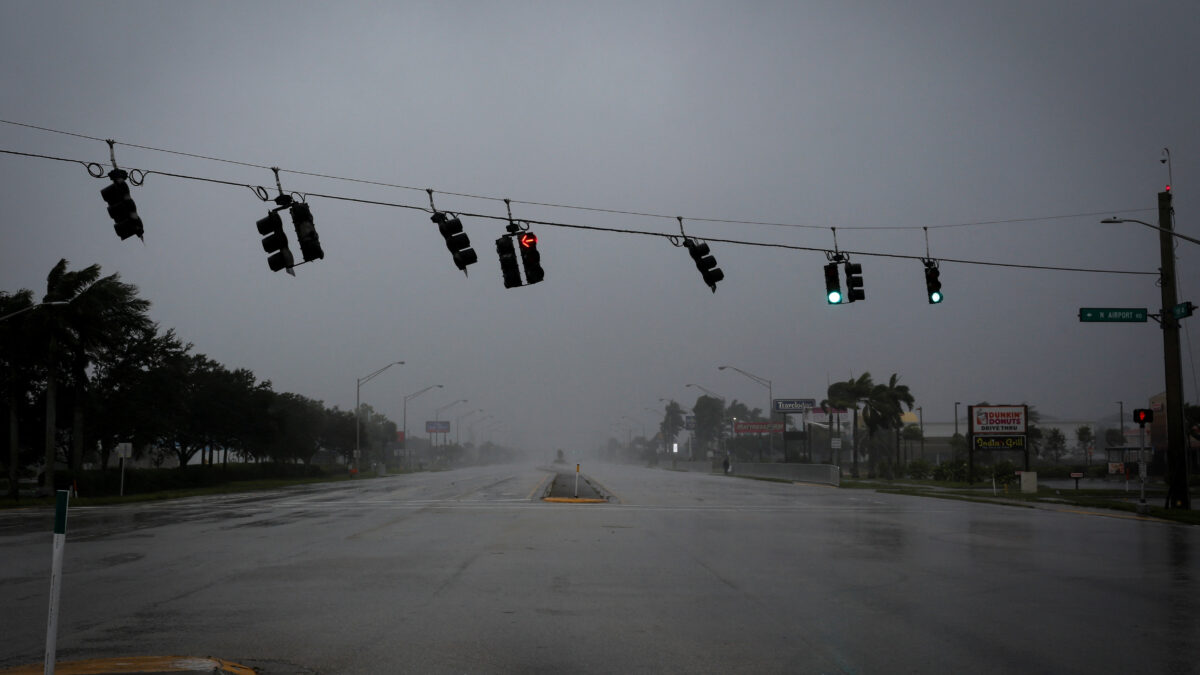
(1143,416)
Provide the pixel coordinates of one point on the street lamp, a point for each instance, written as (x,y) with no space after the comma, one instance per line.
(458,422)
(358,403)
(1177,469)
(48,303)
(721,426)
(770,405)
(437,415)
(405,428)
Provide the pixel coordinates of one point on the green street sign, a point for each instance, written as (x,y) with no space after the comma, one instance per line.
(1182,310)
(1124,314)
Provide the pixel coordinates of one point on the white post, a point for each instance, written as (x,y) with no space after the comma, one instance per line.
(60,537)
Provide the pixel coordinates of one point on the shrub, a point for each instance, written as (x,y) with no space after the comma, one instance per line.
(919,469)
(954,471)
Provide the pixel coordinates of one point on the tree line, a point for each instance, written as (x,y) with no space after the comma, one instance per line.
(85,369)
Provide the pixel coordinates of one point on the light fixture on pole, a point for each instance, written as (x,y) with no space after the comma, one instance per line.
(1172,311)
(358,404)
(437,415)
(405,423)
(721,426)
(770,402)
(458,423)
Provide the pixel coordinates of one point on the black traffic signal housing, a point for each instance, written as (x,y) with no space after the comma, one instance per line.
(833,285)
(457,241)
(1143,416)
(275,242)
(306,232)
(933,284)
(121,208)
(854,282)
(531,259)
(507,251)
(705,262)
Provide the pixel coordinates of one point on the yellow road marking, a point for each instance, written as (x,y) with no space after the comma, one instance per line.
(540,486)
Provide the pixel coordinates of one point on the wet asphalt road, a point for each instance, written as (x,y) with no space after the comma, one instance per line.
(466,571)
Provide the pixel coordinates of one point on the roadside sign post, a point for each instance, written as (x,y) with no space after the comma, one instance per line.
(1076,475)
(789,406)
(56,561)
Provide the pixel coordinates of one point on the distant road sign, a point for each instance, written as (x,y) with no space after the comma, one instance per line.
(1183,310)
(793,405)
(1111,314)
(689,422)
(437,427)
(741,427)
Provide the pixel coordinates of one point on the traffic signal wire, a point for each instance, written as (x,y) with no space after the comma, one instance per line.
(261,193)
(641,214)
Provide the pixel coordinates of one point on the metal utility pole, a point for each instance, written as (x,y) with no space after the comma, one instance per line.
(1177,487)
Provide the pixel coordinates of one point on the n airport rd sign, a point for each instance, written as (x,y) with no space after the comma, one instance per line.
(1113,314)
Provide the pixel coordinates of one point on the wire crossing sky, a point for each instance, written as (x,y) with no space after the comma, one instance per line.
(991,137)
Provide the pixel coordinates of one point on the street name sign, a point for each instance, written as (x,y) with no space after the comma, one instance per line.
(1183,310)
(1113,314)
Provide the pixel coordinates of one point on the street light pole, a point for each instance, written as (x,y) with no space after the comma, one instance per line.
(48,303)
(1177,473)
(358,404)
(437,415)
(405,423)
(458,423)
(770,405)
(721,426)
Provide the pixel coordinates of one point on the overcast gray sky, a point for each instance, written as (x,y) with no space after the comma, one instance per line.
(853,115)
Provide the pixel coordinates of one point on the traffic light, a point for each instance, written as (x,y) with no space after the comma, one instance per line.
(508,261)
(456,240)
(933,285)
(1143,416)
(705,262)
(275,242)
(854,282)
(530,258)
(306,232)
(121,207)
(833,286)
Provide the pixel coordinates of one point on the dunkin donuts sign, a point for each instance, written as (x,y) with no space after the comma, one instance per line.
(998,419)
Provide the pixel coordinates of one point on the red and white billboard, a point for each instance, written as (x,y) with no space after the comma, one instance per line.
(998,419)
(740,427)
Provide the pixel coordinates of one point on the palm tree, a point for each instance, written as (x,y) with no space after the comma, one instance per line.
(896,395)
(849,394)
(882,409)
(16,361)
(100,313)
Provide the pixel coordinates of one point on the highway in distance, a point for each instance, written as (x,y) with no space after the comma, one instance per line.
(468,571)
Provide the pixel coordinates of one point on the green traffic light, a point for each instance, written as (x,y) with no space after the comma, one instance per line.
(935,297)
(834,297)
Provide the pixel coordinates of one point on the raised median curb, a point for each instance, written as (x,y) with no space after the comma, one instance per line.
(145,665)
